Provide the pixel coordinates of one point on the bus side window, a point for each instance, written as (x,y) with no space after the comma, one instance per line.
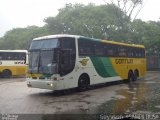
(143,53)
(0,57)
(122,51)
(85,47)
(99,49)
(130,52)
(69,44)
(111,50)
(6,56)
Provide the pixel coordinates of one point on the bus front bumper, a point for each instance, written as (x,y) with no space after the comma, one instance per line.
(43,84)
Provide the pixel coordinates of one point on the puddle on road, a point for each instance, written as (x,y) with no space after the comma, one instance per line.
(137,97)
(140,96)
(133,98)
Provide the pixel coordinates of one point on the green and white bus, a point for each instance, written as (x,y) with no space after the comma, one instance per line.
(60,62)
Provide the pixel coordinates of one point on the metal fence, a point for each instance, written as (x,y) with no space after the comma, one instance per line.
(153,62)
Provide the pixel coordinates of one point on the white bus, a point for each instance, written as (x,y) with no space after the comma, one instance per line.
(59,62)
(13,63)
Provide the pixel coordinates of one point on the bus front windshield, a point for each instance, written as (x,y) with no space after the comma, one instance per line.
(41,56)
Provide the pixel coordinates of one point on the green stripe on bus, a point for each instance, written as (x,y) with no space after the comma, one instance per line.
(103,66)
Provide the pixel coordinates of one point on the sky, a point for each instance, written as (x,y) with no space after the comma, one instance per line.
(23,13)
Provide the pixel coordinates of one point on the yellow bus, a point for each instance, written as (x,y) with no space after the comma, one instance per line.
(59,62)
(13,63)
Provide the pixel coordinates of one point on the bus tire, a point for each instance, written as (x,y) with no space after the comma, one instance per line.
(6,73)
(131,76)
(83,82)
(136,74)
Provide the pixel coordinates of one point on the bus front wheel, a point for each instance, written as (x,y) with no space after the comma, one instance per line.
(6,74)
(83,83)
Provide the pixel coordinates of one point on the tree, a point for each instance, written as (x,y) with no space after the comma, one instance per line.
(20,38)
(105,22)
(92,21)
(147,33)
(130,7)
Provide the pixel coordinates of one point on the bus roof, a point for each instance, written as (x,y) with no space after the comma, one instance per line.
(92,39)
(13,51)
(125,44)
(56,36)
(116,43)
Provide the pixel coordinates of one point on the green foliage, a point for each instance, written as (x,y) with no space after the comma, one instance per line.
(20,38)
(147,33)
(91,21)
(103,22)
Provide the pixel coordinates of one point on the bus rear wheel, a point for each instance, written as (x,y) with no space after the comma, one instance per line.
(131,76)
(83,83)
(6,74)
(136,74)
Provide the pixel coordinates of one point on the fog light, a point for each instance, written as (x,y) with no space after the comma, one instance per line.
(51,84)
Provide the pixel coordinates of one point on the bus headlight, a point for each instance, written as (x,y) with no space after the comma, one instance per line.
(50,84)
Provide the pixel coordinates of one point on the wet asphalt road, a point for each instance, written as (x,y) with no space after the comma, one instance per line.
(140,99)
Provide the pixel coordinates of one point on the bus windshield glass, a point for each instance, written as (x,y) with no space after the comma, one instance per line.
(33,64)
(41,56)
(44,44)
(46,63)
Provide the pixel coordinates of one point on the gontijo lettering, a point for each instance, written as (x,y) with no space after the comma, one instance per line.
(123,61)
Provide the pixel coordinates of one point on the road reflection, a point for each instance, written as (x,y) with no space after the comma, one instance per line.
(140,97)
(127,100)
(134,98)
